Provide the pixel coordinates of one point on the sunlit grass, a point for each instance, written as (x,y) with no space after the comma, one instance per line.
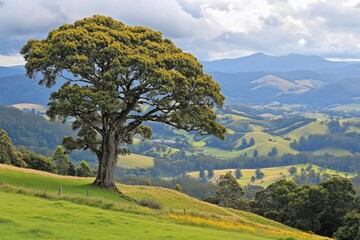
(135,161)
(34,210)
(271,174)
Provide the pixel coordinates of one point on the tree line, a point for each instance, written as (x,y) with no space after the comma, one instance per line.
(202,162)
(59,163)
(329,209)
(36,133)
(348,141)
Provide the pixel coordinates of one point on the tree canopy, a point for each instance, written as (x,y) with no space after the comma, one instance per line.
(116,78)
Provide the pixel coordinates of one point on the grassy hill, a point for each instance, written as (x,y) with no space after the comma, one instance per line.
(32,214)
(135,161)
(271,174)
(317,127)
(240,128)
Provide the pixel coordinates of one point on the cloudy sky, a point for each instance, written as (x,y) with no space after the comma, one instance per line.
(210,29)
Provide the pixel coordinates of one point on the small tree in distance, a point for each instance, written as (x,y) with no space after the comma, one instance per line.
(238,173)
(84,170)
(202,174)
(178,188)
(61,160)
(259,174)
(273,152)
(210,172)
(255,153)
(148,182)
(116,78)
(292,170)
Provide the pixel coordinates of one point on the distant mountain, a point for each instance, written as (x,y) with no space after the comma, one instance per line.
(262,62)
(20,89)
(285,86)
(265,87)
(255,79)
(11,71)
(310,80)
(16,88)
(342,92)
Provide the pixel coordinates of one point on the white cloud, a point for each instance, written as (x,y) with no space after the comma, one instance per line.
(302,42)
(12,60)
(208,28)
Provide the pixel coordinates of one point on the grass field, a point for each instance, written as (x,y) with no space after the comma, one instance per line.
(44,219)
(271,174)
(316,127)
(108,215)
(135,161)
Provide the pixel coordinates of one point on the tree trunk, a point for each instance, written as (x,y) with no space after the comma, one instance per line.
(107,164)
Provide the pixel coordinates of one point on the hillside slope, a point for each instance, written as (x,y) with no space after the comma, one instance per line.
(28,216)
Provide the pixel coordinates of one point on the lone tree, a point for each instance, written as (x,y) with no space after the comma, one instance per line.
(117,77)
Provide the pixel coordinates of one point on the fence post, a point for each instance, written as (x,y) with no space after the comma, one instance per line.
(60,191)
(87,192)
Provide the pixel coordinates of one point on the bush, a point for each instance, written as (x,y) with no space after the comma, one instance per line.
(84,170)
(148,182)
(150,203)
(292,170)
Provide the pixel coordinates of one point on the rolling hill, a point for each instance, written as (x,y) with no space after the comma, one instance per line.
(260,78)
(110,215)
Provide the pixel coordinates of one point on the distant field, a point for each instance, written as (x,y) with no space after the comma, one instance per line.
(27,216)
(220,153)
(135,161)
(236,117)
(316,127)
(264,142)
(30,106)
(271,174)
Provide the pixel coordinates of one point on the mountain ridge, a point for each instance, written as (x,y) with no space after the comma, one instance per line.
(263,62)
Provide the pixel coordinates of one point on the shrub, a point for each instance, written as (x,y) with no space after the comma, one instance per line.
(148,182)
(150,203)
(84,170)
(178,188)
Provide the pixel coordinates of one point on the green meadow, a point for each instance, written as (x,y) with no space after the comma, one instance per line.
(271,174)
(28,213)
